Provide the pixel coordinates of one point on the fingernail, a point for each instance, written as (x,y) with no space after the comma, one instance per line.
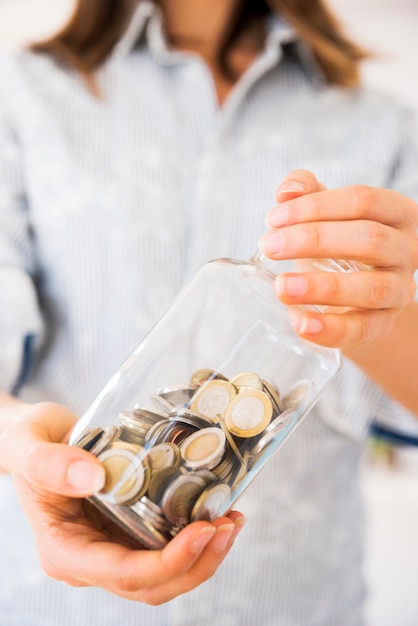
(290,186)
(293,286)
(239,525)
(306,325)
(222,537)
(202,539)
(279,216)
(272,243)
(85,477)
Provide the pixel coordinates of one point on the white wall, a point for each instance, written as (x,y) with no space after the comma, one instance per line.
(390,28)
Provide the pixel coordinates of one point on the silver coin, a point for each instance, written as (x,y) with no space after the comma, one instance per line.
(188,417)
(89,439)
(179,497)
(177,396)
(212,502)
(163,455)
(283,422)
(111,433)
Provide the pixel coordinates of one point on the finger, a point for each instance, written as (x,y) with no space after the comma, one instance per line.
(203,568)
(297,183)
(27,449)
(372,243)
(335,330)
(371,290)
(127,572)
(347,203)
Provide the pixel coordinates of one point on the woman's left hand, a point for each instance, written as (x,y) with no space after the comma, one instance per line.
(376,227)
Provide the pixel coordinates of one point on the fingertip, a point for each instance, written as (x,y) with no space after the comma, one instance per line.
(297,183)
(306,325)
(85,477)
(202,538)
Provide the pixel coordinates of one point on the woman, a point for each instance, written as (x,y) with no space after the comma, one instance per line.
(137,144)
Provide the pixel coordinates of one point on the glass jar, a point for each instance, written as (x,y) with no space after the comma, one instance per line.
(202,404)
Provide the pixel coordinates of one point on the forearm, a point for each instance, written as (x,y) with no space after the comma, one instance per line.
(391,361)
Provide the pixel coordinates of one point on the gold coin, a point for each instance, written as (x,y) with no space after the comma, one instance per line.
(274,394)
(212,502)
(246,381)
(249,413)
(125,445)
(242,472)
(203,375)
(229,437)
(204,448)
(125,475)
(213,398)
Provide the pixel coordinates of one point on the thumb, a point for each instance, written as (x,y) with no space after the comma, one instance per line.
(31,449)
(298,183)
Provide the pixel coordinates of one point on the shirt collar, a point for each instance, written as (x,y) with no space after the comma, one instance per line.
(147,24)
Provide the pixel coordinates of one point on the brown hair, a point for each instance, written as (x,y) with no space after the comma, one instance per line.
(96,26)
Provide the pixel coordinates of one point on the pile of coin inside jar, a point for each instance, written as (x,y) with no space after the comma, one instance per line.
(183,459)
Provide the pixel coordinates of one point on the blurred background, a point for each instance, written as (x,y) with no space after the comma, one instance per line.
(387,27)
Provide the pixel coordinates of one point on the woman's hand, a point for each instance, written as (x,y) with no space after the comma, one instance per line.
(376,227)
(79,546)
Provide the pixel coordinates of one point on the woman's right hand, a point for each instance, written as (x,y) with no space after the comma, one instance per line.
(74,542)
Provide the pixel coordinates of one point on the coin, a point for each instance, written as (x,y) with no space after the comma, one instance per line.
(281,423)
(242,471)
(125,475)
(271,390)
(110,434)
(148,513)
(299,396)
(180,496)
(247,380)
(248,413)
(124,445)
(159,481)
(160,403)
(229,437)
(208,476)
(155,431)
(163,455)
(204,448)
(203,375)
(177,396)
(89,439)
(213,398)
(186,416)
(212,502)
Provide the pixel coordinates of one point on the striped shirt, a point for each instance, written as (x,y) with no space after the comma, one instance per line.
(107,207)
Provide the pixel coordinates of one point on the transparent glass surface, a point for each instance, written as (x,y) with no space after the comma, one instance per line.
(202,404)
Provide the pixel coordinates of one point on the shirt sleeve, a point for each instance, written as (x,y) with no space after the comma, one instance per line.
(20,318)
(355,405)
(387,414)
